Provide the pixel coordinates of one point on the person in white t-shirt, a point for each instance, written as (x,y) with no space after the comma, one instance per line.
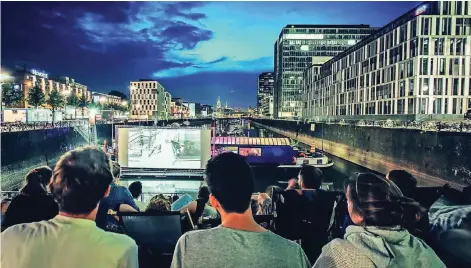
(80,180)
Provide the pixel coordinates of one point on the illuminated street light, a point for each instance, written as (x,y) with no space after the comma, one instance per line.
(93,112)
(4,77)
(102,100)
(124,103)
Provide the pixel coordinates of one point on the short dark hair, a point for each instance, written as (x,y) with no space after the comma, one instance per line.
(404,180)
(37,181)
(203,193)
(136,189)
(380,202)
(80,180)
(158,203)
(231,181)
(312,177)
(116,169)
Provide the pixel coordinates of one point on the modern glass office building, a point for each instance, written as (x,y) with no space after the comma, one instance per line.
(300,46)
(417,64)
(265,88)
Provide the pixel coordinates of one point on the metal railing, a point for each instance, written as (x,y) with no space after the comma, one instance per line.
(463,126)
(20,126)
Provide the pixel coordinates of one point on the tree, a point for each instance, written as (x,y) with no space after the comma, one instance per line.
(73,100)
(83,102)
(55,100)
(11,96)
(36,96)
(118,94)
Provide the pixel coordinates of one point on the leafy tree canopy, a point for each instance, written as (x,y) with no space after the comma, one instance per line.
(11,96)
(36,96)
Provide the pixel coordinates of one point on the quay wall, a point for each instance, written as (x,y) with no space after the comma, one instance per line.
(24,150)
(434,158)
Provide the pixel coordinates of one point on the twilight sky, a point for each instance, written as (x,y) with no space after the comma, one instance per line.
(197,50)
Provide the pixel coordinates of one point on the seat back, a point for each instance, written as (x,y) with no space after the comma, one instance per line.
(305,217)
(156,231)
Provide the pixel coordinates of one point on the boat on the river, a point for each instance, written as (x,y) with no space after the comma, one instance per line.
(316,159)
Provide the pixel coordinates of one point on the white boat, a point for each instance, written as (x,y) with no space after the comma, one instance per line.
(316,159)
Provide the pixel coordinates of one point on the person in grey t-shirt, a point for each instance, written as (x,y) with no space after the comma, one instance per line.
(239,241)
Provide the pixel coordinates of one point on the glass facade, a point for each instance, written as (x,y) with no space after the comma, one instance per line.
(265,88)
(417,64)
(300,46)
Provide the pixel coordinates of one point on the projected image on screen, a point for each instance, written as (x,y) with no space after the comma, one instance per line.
(250,151)
(164,148)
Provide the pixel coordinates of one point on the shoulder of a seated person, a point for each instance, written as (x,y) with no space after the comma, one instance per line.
(23,230)
(340,245)
(118,238)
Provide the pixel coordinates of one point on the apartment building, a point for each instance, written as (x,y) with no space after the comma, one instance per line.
(419,64)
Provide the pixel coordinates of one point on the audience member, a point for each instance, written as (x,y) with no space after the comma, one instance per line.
(200,207)
(239,241)
(119,195)
(408,186)
(81,178)
(404,180)
(136,191)
(306,213)
(5,204)
(264,204)
(158,203)
(451,227)
(377,207)
(175,198)
(33,203)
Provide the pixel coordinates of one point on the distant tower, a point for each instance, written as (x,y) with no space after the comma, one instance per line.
(226,104)
(218,103)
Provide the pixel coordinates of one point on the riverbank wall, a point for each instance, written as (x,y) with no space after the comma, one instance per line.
(434,158)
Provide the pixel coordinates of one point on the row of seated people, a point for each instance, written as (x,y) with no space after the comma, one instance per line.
(379,236)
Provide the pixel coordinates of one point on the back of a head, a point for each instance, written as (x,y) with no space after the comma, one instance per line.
(231,181)
(158,203)
(203,193)
(380,202)
(81,179)
(136,189)
(37,181)
(116,170)
(404,180)
(312,177)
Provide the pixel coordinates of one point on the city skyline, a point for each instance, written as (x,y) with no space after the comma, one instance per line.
(197,50)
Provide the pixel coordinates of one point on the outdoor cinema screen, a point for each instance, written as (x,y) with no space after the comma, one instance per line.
(179,148)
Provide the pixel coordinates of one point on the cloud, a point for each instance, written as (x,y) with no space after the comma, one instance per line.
(256,65)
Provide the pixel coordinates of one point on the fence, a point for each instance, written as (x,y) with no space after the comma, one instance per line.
(463,126)
(20,126)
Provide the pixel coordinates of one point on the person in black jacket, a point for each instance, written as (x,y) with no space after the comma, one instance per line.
(33,203)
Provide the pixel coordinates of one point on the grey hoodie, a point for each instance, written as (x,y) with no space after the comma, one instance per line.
(392,247)
(378,247)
